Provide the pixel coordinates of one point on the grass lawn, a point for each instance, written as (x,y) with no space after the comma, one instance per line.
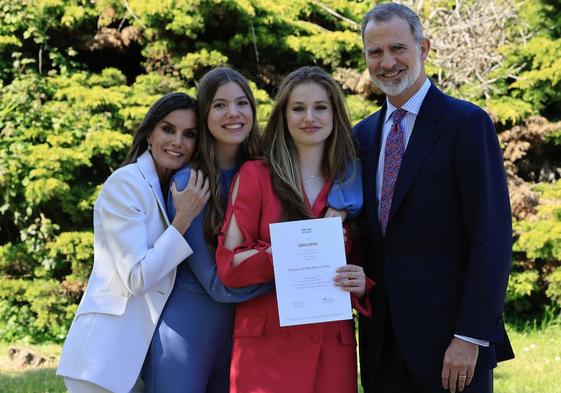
(537,366)
(30,380)
(536,369)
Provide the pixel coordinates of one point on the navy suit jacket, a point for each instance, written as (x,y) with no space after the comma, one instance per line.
(442,267)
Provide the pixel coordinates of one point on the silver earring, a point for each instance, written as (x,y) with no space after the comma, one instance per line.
(149,147)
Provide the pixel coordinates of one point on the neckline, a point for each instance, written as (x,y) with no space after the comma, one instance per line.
(322,196)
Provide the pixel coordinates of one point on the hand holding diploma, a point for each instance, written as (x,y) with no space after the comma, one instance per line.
(351,278)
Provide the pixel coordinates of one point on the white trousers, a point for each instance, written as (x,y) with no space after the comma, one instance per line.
(81,386)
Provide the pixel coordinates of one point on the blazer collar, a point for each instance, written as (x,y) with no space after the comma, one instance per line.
(371,155)
(148,170)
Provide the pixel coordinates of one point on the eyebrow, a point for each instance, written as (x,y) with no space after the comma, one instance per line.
(378,47)
(224,99)
(168,123)
(174,126)
(315,102)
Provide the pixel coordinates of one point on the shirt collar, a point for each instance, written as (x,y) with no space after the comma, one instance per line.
(413,104)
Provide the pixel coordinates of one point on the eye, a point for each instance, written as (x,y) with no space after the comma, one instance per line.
(297,108)
(374,52)
(168,129)
(243,102)
(321,107)
(218,105)
(191,134)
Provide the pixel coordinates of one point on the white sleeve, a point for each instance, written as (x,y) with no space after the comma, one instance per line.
(481,343)
(123,217)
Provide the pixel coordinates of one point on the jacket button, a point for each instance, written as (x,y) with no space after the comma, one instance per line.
(315,339)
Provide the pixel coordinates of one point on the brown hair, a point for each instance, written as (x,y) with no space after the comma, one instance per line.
(281,155)
(250,148)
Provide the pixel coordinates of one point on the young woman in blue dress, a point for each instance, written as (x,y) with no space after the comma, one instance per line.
(191,348)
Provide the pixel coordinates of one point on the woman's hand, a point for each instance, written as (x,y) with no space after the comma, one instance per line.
(351,278)
(331,212)
(189,202)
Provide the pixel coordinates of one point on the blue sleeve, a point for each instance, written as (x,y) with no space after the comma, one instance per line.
(181,178)
(202,262)
(347,195)
(487,222)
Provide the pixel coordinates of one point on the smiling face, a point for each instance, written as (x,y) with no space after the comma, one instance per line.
(230,117)
(395,59)
(173,142)
(309,114)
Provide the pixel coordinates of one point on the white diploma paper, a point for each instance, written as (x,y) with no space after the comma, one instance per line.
(305,256)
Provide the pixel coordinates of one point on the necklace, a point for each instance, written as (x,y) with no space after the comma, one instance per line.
(311,178)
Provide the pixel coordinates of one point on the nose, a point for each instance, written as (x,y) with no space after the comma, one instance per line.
(309,115)
(388,61)
(233,111)
(177,139)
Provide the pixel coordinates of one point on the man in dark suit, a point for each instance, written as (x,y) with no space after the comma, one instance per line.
(438,219)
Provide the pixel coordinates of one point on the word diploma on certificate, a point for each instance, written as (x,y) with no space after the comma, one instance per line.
(306,254)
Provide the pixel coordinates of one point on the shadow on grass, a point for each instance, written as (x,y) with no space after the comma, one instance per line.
(31,381)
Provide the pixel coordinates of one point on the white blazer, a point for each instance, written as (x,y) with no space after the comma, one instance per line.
(136,252)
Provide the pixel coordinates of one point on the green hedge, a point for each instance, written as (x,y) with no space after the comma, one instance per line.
(76,77)
(38,309)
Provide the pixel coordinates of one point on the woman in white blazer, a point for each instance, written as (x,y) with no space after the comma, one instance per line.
(136,251)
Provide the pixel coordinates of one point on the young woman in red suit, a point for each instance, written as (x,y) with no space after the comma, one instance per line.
(309,144)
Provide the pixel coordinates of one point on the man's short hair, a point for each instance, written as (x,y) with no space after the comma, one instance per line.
(386,11)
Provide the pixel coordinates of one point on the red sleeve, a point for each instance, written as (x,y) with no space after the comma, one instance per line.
(355,256)
(363,305)
(247,210)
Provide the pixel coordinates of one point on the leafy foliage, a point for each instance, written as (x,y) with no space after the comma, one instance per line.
(540,237)
(37,309)
(554,286)
(77,76)
(521,286)
(538,280)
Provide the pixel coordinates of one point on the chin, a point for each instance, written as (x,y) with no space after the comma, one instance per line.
(175,165)
(393,88)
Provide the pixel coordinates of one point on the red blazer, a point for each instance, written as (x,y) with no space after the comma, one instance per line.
(266,358)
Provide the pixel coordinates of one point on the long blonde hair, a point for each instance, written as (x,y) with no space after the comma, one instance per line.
(281,155)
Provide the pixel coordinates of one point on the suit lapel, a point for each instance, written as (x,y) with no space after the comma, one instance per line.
(371,154)
(424,135)
(148,170)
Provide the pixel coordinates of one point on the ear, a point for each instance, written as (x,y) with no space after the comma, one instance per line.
(425,48)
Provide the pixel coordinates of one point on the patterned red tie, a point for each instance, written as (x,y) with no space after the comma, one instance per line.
(392,163)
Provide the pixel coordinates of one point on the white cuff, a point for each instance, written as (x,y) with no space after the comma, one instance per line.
(481,343)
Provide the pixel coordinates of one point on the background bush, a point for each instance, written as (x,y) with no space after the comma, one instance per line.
(76,77)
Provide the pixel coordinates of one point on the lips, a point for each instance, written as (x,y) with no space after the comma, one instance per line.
(233,126)
(174,153)
(310,129)
(390,75)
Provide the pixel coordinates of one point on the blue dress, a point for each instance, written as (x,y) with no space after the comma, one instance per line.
(191,347)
